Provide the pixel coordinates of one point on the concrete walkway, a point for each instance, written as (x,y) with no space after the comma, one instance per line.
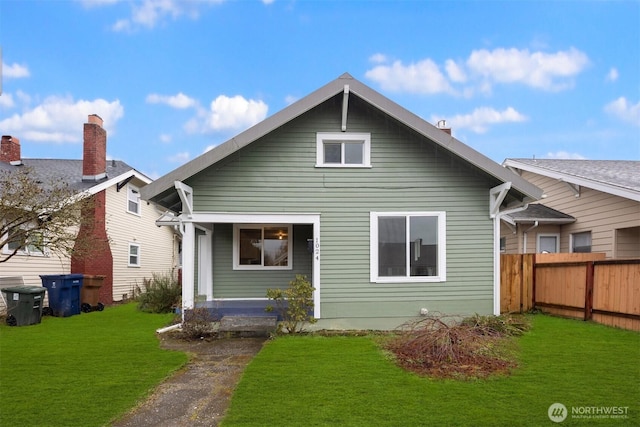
(199,394)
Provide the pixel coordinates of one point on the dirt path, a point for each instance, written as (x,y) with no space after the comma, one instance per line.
(199,394)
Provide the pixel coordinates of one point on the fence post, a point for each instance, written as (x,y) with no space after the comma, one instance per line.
(588,291)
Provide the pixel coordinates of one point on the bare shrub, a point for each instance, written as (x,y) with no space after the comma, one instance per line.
(198,324)
(444,347)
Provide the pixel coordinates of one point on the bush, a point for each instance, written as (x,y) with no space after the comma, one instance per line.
(293,304)
(506,325)
(161,294)
(198,324)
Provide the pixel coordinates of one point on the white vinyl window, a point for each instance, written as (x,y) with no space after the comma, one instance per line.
(262,247)
(581,242)
(343,149)
(134,255)
(408,247)
(548,243)
(133,199)
(31,244)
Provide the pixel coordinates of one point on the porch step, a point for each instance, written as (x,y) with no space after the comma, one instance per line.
(262,325)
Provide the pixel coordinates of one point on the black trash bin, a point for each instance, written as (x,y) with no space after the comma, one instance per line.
(24,305)
(64,293)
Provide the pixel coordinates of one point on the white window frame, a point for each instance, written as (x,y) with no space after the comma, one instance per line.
(541,235)
(139,263)
(442,249)
(236,247)
(342,137)
(572,241)
(130,189)
(28,250)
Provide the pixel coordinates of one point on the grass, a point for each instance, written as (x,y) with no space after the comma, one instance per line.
(349,381)
(81,370)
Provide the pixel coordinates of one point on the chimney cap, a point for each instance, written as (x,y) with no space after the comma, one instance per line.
(95,119)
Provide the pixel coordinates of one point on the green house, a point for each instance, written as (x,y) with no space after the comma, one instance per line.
(387,215)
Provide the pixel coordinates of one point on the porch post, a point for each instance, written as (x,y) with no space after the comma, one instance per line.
(188,264)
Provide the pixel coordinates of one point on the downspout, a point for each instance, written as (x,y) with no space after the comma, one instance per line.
(524,236)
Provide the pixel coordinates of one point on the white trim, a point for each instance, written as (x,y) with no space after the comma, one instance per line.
(556,235)
(441,253)
(322,137)
(261,266)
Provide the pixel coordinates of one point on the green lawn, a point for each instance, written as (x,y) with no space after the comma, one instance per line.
(82,370)
(348,381)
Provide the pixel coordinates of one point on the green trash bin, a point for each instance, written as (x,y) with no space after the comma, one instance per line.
(24,305)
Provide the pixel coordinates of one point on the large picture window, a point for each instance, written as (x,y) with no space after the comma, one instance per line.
(408,247)
(262,246)
(343,149)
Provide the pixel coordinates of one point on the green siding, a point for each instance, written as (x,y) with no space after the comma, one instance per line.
(277,174)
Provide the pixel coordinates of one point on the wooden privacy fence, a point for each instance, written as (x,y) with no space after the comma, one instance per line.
(582,286)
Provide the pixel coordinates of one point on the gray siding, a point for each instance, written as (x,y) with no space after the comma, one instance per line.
(277,174)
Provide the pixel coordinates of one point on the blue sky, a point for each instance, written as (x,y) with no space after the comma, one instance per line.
(172,78)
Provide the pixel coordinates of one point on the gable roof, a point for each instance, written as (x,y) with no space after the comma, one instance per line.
(70,173)
(617,177)
(162,191)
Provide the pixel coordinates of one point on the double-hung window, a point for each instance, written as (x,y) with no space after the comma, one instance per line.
(134,255)
(343,149)
(133,200)
(408,247)
(27,242)
(262,247)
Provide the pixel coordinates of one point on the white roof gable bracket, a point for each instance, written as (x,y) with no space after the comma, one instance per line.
(496,197)
(345,107)
(186,197)
(575,188)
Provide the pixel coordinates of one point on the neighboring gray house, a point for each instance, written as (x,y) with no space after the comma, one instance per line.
(588,206)
(385,213)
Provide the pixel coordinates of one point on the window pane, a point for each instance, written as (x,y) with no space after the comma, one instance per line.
(548,244)
(134,200)
(133,255)
(392,246)
(250,246)
(353,153)
(276,246)
(582,242)
(423,234)
(332,152)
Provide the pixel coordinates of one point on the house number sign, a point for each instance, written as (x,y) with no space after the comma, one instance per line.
(316,248)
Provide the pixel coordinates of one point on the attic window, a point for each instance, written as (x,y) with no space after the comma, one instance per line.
(343,149)
(133,200)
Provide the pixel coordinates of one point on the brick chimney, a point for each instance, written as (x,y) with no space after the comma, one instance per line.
(10,150)
(94,157)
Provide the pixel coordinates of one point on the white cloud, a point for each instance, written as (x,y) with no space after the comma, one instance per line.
(268,2)
(234,113)
(548,71)
(480,71)
(290,99)
(15,71)
(150,13)
(378,58)
(612,75)
(165,138)
(565,155)
(179,157)
(422,77)
(180,101)
(624,110)
(480,119)
(6,101)
(60,119)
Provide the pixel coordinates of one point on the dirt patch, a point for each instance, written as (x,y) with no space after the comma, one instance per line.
(199,394)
